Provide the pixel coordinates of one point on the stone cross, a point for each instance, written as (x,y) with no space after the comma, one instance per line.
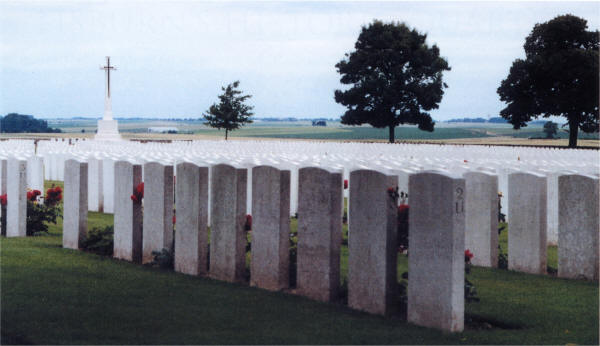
(107,103)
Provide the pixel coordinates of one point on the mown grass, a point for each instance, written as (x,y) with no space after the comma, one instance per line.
(52,295)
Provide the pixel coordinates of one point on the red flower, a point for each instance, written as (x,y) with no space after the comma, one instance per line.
(53,195)
(465,161)
(345,184)
(248,225)
(3,199)
(403,208)
(174,219)
(468,255)
(140,189)
(391,189)
(32,195)
(138,193)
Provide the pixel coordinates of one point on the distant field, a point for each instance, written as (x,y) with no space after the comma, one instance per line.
(455,133)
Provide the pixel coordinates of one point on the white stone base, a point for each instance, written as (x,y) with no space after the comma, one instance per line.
(108,130)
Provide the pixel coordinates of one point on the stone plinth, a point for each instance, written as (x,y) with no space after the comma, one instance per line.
(270,228)
(319,233)
(228,217)
(128,214)
(436,264)
(108,130)
(578,231)
(158,209)
(75,208)
(191,235)
(527,228)
(372,249)
(16,193)
(481,218)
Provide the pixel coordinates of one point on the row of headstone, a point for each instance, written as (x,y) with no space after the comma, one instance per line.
(438,206)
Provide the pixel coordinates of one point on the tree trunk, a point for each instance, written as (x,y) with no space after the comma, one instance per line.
(392,136)
(226,130)
(573,131)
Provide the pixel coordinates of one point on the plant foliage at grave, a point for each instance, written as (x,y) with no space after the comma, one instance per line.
(39,214)
(394,78)
(100,241)
(558,77)
(230,113)
(164,259)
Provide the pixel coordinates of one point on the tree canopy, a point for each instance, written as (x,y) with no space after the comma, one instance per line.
(230,113)
(559,76)
(395,78)
(550,129)
(14,122)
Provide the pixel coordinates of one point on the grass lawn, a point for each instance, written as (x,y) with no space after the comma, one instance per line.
(50,295)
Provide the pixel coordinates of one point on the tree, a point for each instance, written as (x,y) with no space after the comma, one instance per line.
(231,113)
(395,76)
(559,77)
(14,122)
(550,129)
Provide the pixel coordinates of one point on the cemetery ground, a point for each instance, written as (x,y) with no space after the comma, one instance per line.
(51,295)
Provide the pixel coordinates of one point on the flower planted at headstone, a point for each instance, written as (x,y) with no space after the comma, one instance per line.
(3,199)
(345,184)
(39,215)
(138,193)
(402,235)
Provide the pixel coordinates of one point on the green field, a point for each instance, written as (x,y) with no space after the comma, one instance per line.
(334,130)
(52,295)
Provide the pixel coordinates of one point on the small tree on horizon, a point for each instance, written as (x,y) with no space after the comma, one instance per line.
(395,78)
(550,129)
(230,113)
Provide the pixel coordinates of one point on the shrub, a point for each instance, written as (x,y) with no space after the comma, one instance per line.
(40,214)
(100,241)
(164,259)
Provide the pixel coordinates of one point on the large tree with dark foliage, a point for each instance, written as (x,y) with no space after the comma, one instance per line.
(395,78)
(559,76)
(230,113)
(13,122)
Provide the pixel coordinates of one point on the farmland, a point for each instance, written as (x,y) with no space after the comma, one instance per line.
(454,133)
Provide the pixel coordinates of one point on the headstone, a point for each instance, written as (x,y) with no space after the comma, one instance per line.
(75,204)
(270,228)
(128,214)
(319,233)
(3,167)
(436,264)
(578,247)
(158,209)
(527,228)
(191,233)
(95,185)
(372,249)
(108,185)
(35,173)
(228,210)
(16,193)
(481,218)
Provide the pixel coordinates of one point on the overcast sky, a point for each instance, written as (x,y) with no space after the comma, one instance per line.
(173,57)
